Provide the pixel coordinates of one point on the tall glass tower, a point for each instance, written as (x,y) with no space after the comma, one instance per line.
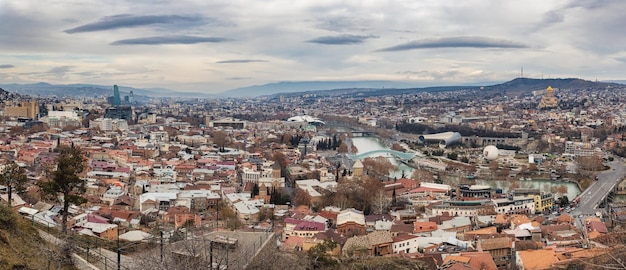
(116,96)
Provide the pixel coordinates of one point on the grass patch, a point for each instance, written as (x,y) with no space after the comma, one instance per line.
(21,247)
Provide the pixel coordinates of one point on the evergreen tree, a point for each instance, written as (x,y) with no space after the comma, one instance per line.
(273,196)
(14,178)
(66,181)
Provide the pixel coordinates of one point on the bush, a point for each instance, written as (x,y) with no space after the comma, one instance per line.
(8,219)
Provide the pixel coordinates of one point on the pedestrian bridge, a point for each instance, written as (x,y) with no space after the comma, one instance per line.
(363,133)
(383,152)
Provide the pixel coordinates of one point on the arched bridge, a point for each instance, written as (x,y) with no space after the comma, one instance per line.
(363,133)
(398,154)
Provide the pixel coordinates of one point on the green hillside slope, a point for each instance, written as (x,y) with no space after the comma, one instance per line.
(22,248)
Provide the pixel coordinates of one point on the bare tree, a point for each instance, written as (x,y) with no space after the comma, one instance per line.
(380,202)
(343,148)
(378,166)
(422,175)
(14,178)
(220,138)
(302,197)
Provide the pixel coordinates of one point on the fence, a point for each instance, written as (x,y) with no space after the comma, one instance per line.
(90,250)
(99,252)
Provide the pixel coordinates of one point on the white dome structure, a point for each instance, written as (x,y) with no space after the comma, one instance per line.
(306,119)
(490,152)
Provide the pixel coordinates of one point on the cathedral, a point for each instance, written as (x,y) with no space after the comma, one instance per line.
(548,101)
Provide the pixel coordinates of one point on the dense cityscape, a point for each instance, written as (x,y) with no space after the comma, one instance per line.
(429,180)
(306,135)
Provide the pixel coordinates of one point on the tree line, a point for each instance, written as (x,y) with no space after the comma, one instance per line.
(329,143)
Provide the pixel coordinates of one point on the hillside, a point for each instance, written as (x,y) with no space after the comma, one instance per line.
(526,85)
(519,86)
(302,86)
(22,248)
(5,95)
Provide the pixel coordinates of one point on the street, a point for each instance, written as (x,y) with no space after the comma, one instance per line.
(592,196)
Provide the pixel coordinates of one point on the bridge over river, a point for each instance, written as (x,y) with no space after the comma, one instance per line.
(383,152)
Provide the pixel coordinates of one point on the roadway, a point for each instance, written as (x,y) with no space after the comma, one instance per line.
(595,194)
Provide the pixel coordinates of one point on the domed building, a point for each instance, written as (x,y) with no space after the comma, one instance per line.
(548,101)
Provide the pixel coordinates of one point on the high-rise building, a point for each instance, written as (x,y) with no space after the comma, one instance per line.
(548,101)
(116,96)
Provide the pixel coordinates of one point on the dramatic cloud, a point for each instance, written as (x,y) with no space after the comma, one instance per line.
(236,61)
(341,23)
(158,40)
(340,40)
(435,42)
(126,21)
(59,70)
(456,42)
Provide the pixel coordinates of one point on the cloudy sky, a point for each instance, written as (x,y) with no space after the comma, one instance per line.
(213,46)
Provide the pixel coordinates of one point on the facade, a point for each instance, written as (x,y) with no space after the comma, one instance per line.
(405,243)
(108,124)
(543,202)
(111,194)
(28,109)
(119,112)
(464,208)
(515,205)
(357,168)
(500,250)
(61,119)
(475,191)
(226,122)
(581,149)
(351,222)
(249,175)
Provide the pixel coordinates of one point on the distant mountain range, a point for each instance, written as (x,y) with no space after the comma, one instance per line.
(518,86)
(378,88)
(293,87)
(88,90)
(327,88)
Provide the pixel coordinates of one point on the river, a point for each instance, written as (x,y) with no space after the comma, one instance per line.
(367,144)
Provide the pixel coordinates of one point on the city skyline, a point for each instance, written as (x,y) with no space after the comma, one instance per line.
(214,47)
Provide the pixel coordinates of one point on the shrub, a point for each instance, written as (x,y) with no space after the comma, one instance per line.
(8,218)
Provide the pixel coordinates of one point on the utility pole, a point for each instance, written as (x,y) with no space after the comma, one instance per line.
(119,255)
(161,246)
(211,255)
(10,188)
